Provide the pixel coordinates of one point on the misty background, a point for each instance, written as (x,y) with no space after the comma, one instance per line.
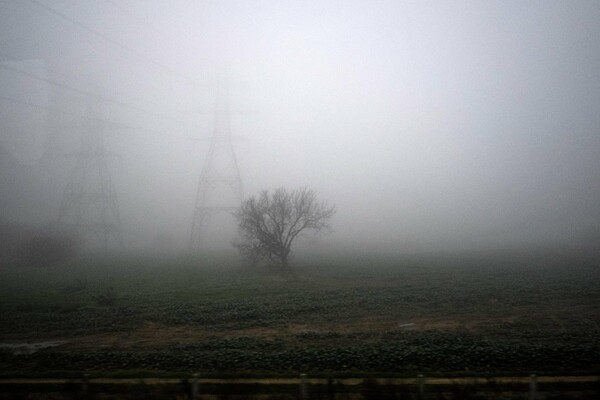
(452,125)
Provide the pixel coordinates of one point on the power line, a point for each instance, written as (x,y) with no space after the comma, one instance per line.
(111,41)
(54,109)
(10,58)
(39,106)
(87,93)
(155,30)
(139,20)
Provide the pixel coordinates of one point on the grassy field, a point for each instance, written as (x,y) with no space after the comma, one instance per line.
(437,314)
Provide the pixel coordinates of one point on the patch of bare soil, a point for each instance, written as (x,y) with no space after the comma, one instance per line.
(30,347)
(152,335)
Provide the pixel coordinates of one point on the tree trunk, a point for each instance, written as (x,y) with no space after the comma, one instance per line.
(285,259)
(284,262)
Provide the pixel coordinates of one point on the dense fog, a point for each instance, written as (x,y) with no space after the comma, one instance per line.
(430,125)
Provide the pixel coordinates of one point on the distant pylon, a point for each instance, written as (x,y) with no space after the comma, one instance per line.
(89,206)
(220,187)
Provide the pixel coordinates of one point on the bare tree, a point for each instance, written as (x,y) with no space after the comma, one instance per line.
(269,223)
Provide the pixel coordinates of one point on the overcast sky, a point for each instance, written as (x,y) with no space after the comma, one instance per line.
(429,124)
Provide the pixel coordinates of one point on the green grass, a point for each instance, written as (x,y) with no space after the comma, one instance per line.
(483,312)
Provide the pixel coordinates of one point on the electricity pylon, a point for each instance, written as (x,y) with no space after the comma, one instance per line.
(89,206)
(220,187)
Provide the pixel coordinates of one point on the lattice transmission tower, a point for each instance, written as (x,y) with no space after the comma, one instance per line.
(220,188)
(89,207)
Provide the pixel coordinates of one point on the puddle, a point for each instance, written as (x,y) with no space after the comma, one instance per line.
(30,348)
